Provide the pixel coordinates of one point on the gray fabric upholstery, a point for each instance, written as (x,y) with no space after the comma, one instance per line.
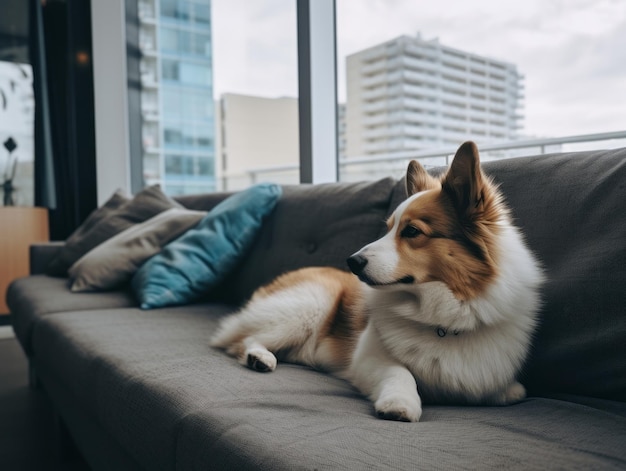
(313,429)
(34,297)
(312,225)
(138,372)
(115,261)
(203,201)
(41,254)
(571,207)
(101,449)
(112,218)
(169,401)
(172,402)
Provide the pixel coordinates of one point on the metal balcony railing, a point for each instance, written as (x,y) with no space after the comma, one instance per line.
(394,164)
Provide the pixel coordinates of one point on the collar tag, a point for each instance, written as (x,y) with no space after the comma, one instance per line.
(442,331)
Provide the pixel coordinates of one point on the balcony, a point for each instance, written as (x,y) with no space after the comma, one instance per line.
(381,79)
(382,105)
(433,153)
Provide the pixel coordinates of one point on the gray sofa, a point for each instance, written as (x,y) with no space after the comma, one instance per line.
(143,390)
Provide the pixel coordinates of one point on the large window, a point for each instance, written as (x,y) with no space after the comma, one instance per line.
(414,80)
(256,91)
(427,75)
(218,98)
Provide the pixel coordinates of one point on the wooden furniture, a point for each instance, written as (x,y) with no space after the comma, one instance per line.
(19,227)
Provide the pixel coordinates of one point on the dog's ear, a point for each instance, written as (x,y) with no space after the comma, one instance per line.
(418,179)
(464,180)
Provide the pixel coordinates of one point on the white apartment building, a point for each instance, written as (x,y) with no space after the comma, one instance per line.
(257,139)
(412,94)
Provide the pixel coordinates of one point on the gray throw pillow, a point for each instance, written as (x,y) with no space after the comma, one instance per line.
(114,261)
(117,214)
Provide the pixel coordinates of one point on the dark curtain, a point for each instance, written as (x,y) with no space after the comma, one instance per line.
(65,155)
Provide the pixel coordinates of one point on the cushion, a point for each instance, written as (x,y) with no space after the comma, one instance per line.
(198,260)
(116,260)
(58,266)
(116,215)
(313,225)
(174,403)
(32,298)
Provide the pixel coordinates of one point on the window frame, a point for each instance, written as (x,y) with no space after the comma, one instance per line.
(119,152)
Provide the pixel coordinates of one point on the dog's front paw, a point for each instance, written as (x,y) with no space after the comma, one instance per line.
(398,408)
(260,360)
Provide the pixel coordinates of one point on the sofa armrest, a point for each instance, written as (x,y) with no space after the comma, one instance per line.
(41,254)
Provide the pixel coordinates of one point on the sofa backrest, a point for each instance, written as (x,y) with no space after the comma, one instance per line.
(312,225)
(572,208)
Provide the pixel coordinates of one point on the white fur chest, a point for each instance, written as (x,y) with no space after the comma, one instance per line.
(450,351)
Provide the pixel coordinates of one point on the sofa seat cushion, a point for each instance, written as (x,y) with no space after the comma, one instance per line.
(327,428)
(172,402)
(31,298)
(138,372)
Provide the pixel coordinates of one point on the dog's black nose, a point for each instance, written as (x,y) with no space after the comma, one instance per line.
(357,263)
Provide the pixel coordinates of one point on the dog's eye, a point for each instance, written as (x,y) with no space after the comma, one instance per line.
(410,232)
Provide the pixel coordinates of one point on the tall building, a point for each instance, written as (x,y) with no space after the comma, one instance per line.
(412,94)
(256,133)
(177,95)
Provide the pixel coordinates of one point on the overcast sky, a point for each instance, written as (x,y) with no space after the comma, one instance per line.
(571,52)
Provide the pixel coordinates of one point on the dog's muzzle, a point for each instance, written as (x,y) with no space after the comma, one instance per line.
(357,263)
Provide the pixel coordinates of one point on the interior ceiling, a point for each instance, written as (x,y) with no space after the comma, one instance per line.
(14,31)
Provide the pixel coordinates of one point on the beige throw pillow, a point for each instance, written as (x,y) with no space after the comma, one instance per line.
(114,261)
(118,214)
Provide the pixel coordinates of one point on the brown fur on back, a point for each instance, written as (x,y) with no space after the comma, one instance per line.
(345,321)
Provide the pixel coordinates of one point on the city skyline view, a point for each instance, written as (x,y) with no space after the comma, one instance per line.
(413,94)
(566,55)
(567,51)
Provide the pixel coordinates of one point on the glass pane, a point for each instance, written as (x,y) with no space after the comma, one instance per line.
(256,90)
(177,94)
(219,98)
(427,76)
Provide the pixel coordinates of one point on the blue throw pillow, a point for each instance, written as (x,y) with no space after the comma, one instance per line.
(199,259)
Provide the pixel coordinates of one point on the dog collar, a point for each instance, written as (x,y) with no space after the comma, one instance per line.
(442,331)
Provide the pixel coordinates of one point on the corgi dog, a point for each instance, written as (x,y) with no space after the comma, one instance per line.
(440,309)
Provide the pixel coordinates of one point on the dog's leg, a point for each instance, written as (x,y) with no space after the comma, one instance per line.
(248,336)
(257,357)
(289,320)
(386,382)
(513,393)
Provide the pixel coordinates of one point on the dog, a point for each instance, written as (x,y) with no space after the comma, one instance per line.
(442,308)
